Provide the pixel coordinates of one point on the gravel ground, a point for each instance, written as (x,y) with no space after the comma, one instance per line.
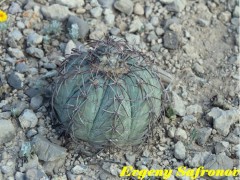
(196,42)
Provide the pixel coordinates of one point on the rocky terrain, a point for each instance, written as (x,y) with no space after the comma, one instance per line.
(195,41)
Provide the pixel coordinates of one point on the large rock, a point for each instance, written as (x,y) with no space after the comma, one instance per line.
(46,150)
(7,131)
(220,161)
(199,159)
(56,12)
(124,6)
(222,120)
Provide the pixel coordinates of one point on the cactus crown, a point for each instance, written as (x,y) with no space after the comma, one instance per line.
(106,96)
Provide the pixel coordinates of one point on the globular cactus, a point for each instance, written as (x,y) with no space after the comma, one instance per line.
(107,95)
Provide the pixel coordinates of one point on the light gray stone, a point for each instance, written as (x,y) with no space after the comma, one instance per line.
(152,36)
(15,80)
(194,109)
(148,27)
(106,3)
(136,25)
(146,153)
(49,65)
(222,120)
(35,174)
(221,147)
(35,52)
(180,134)
(225,17)
(179,150)
(203,135)
(138,9)
(166,1)
(154,21)
(202,22)
(16,35)
(170,40)
(109,16)
(19,176)
(199,159)
(15,52)
(178,104)
(72,3)
(21,67)
(233,138)
(50,74)
(236,12)
(124,6)
(20,25)
(96,11)
(236,149)
(31,133)
(130,157)
(36,102)
(28,119)
(148,11)
(7,170)
(220,161)
(177,5)
(12,43)
(132,39)
(171,132)
(51,167)
(78,169)
(159,31)
(14,8)
(47,151)
(18,107)
(7,130)
(115,31)
(187,121)
(56,12)
(34,39)
(198,69)
(70,45)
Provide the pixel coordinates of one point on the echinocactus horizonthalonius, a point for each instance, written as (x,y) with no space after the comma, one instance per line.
(107,95)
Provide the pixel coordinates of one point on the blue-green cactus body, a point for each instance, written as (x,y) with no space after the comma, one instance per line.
(107,104)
